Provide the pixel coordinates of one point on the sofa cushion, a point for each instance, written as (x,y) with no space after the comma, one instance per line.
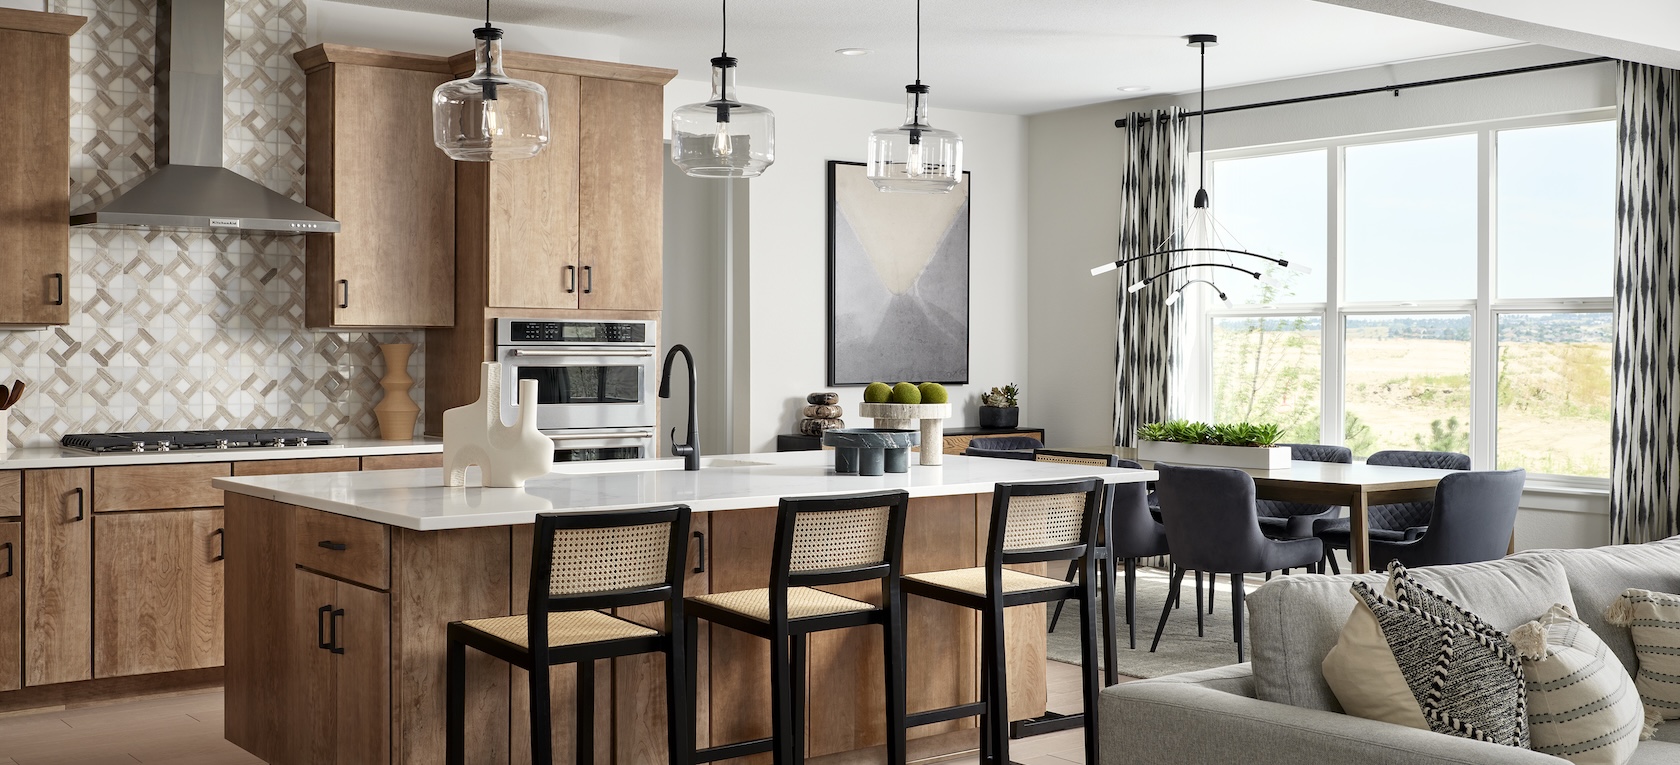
(1582,705)
(1598,576)
(1653,622)
(1294,620)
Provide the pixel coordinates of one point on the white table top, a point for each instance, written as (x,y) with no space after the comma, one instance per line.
(1338,474)
(54,457)
(417,499)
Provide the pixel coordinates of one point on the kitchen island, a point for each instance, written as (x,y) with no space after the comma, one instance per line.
(339,586)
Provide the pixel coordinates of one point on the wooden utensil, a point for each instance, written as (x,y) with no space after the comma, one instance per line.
(4,396)
(17,392)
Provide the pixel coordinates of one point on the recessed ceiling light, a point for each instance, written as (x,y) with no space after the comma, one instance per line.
(1132,88)
(854,51)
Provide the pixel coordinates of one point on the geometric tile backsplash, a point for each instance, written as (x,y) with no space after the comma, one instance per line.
(174,329)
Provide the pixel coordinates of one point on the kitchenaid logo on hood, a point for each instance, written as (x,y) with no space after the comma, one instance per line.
(224,223)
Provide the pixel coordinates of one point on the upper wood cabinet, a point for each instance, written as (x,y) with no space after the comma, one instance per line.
(35,166)
(373,167)
(621,184)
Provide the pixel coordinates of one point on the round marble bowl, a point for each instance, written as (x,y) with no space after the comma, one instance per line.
(871,451)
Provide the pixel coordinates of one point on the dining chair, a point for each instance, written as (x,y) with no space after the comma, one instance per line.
(1471,520)
(1284,519)
(1213,526)
(1394,522)
(1006,443)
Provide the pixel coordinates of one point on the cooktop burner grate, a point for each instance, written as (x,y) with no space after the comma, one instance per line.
(172,440)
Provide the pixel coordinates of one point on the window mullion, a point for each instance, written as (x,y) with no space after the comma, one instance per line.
(1484,345)
(1332,429)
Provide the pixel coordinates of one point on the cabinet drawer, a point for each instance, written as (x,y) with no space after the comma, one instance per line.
(348,548)
(402,461)
(11,493)
(157,487)
(293,467)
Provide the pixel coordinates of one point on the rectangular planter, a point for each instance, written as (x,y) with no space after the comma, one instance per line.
(1250,457)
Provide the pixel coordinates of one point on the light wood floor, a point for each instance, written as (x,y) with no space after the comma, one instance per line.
(187,730)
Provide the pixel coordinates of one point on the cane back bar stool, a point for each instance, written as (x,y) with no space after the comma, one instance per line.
(582,563)
(1105,561)
(1031,523)
(820,541)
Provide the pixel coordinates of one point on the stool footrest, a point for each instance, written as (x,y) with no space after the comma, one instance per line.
(1049,723)
(932,716)
(731,751)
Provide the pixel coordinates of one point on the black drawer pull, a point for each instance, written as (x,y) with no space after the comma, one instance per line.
(8,548)
(588,279)
(331,545)
(571,279)
(58,280)
(337,647)
(221,549)
(345,301)
(700,561)
(321,626)
(81,503)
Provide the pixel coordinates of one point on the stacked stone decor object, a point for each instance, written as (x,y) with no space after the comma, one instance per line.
(822,414)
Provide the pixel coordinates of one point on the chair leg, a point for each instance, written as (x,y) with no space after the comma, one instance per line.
(1056,613)
(1237,596)
(1111,675)
(691,645)
(1131,600)
(1269,576)
(796,677)
(781,696)
(542,738)
(986,652)
(1177,581)
(677,658)
(1088,659)
(1199,604)
(892,632)
(1330,555)
(1000,683)
(1213,584)
(456,713)
(585,732)
(1175,596)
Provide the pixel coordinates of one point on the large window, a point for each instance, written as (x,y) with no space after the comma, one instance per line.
(1458,299)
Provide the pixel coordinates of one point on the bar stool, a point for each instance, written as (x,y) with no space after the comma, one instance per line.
(1105,560)
(582,563)
(819,541)
(1031,523)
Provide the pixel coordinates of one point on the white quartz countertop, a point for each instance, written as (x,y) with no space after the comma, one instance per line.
(28,459)
(417,499)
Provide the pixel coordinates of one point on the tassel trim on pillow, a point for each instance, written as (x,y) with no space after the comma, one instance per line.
(1620,612)
(1530,640)
(1653,718)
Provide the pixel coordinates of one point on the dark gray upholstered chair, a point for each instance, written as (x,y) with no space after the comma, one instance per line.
(1389,523)
(1212,525)
(1294,520)
(1002,454)
(1471,521)
(1002,443)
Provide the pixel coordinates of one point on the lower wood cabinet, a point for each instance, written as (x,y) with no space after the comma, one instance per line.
(339,643)
(11,606)
(157,591)
(58,586)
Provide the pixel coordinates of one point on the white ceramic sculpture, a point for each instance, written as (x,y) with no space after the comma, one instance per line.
(506,455)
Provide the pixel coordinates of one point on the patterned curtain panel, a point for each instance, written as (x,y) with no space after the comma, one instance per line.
(1645,429)
(1151,206)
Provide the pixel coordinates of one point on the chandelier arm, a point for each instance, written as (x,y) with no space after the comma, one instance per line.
(1136,258)
(1149,279)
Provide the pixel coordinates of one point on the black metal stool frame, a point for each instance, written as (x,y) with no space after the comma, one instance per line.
(787,635)
(539,655)
(993,707)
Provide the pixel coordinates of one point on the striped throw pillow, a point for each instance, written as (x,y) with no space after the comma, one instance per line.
(1653,619)
(1582,705)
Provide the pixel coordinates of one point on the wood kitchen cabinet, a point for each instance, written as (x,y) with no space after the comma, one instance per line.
(157,591)
(58,589)
(339,642)
(35,166)
(11,606)
(372,166)
(621,186)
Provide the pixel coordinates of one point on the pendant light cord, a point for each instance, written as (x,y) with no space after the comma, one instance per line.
(918,42)
(486,14)
(1201,127)
(726,28)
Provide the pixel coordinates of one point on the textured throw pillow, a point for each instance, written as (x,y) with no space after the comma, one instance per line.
(1582,705)
(1653,620)
(1415,658)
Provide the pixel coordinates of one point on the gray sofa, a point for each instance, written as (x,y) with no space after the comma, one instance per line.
(1278,709)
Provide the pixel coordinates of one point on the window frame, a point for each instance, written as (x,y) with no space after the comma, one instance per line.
(1484,310)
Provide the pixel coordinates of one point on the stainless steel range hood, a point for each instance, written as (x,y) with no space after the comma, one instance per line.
(190,188)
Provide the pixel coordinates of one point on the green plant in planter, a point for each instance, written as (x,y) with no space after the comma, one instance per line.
(1230,434)
(1005,397)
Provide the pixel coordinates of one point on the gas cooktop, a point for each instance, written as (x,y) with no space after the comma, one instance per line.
(172,440)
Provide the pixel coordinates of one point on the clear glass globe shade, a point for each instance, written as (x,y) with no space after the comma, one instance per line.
(915,157)
(489,115)
(723,137)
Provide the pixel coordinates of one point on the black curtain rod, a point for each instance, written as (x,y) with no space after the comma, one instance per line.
(1121,123)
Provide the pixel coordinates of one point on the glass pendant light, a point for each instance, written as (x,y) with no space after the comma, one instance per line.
(723,138)
(915,156)
(489,115)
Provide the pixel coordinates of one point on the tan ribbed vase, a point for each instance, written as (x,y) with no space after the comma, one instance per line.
(397,411)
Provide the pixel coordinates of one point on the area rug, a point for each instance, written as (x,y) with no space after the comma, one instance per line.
(1181,650)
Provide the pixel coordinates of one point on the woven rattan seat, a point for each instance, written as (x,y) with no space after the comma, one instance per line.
(564,628)
(973,580)
(1094,460)
(803,602)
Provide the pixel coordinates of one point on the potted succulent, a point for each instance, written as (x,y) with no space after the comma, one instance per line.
(1001,408)
(1237,445)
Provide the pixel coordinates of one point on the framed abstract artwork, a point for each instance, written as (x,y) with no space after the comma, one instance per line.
(897,282)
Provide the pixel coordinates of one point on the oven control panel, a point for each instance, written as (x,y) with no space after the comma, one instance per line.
(523,331)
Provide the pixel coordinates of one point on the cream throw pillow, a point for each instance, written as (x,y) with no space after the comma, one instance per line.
(1582,705)
(1653,620)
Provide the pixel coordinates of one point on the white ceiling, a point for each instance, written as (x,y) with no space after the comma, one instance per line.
(1647,31)
(1007,56)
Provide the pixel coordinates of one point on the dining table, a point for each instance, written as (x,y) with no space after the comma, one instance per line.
(1355,485)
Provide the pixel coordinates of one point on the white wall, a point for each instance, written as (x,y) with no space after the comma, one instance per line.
(784,328)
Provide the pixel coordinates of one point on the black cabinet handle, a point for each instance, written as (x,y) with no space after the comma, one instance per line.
(700,560)
(571,279)
(8,548)
(81,503)
(58,280)
(221,549)
(337,647)
(344,302)
(321,626)
(588,279)
(331,545)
